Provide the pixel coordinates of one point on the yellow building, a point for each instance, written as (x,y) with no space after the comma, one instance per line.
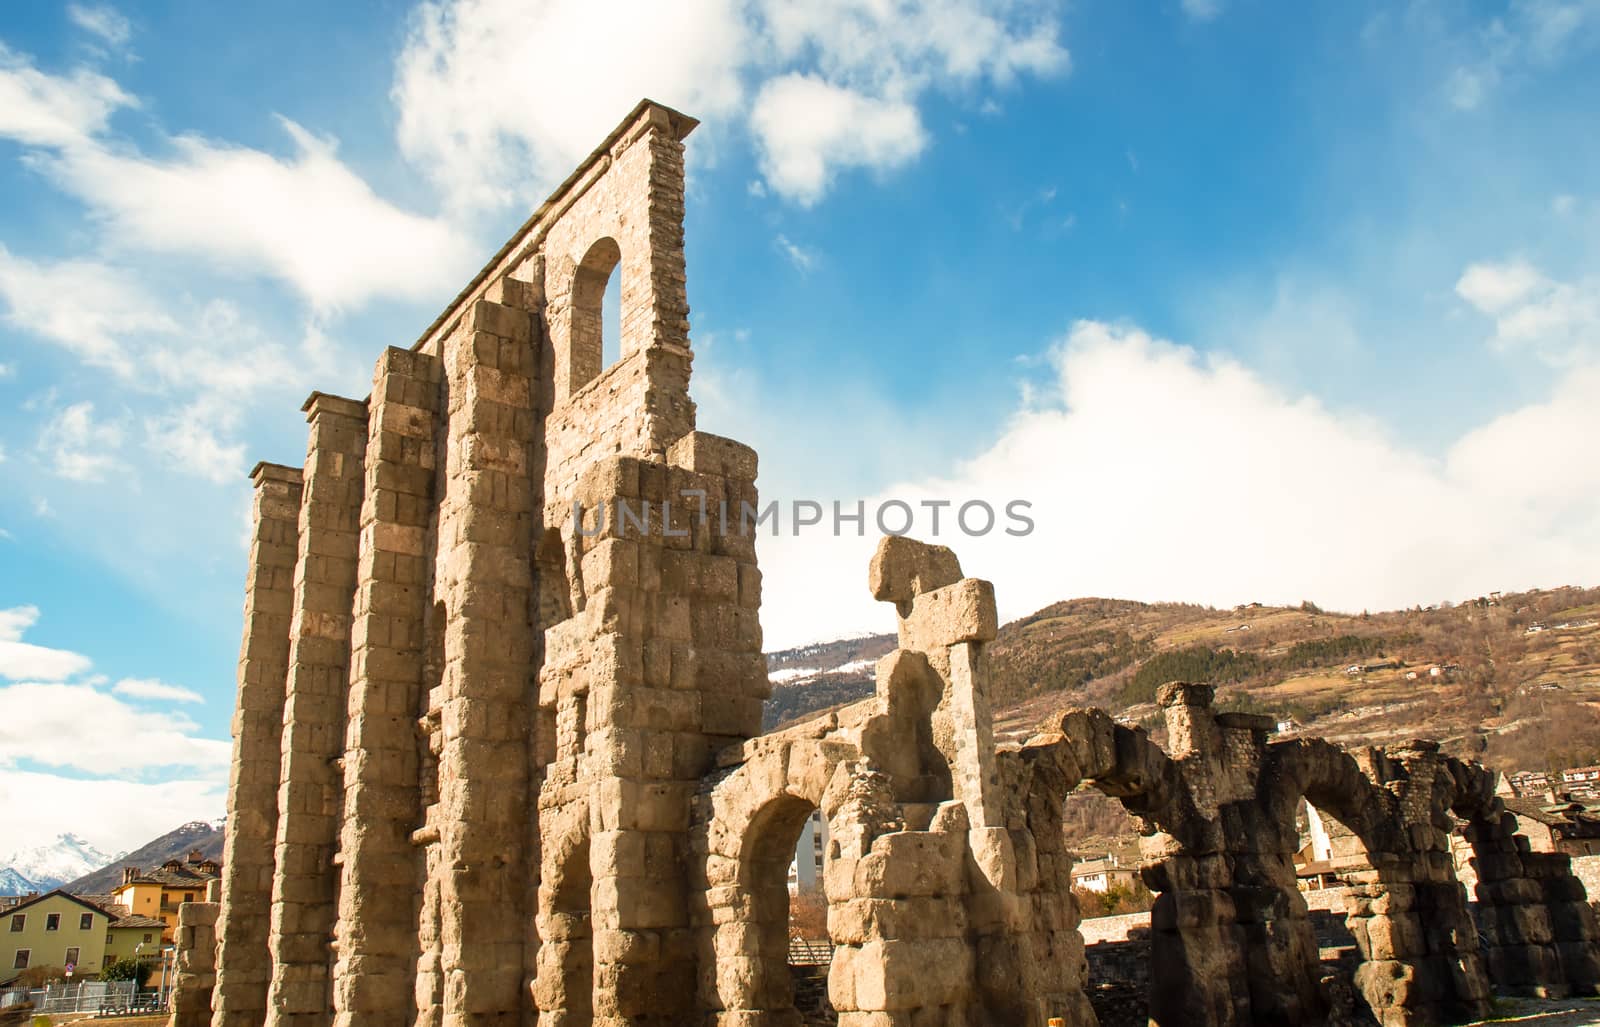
(54,930)
(133,937)
(159,892)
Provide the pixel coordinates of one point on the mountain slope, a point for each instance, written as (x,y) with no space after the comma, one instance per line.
(175,844)
(1513,679)
(49,866)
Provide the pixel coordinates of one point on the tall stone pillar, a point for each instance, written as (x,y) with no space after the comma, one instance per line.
(374,972)
(487,697)
(309,800)
(241,992)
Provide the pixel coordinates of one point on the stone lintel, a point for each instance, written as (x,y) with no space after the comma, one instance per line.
(264,472)
(319,403)
(1248,722)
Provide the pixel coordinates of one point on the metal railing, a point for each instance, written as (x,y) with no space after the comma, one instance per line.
(82,996)
(809,951)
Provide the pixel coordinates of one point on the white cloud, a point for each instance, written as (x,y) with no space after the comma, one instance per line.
(19,660)
(474,80)
(78,447)
(802,258)
(198,366)
(1558,322)
(1156,474)
(150,688)
(1532,35)
(74,726)
(6,370)
(85,306)
(49,110)
(115,815)
(192,439)
(1202,10)
(807,129)
(307,219)
(15,621)
(114,754)
(907,45)
(102,21)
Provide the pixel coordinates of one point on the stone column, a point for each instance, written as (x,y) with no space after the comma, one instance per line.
(303,892)
(241,992)
(376,930)
(487,696)
(194,973)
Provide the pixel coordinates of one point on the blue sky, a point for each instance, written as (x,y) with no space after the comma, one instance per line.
(1250,301)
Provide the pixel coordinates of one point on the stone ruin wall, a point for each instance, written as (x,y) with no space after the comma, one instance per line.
(490,769)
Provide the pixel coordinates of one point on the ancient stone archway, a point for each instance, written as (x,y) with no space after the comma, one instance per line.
(1381,910)
(745,832)
(1538,928)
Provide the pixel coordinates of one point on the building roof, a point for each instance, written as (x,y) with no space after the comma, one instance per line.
(1569,816)
(1101,866)
(149,923)
(185,876)
(19,907)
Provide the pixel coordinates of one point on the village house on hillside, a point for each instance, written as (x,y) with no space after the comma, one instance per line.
(1104,874)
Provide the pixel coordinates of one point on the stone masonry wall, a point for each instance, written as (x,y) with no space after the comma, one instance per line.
(497,758)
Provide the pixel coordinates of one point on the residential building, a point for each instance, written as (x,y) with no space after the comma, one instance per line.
(53,930)
(805,873)
(1560,826)
(158,892)
(134,937)
(1329,852)
(1104,874)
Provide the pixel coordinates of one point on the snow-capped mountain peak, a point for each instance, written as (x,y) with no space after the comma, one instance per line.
(51,866)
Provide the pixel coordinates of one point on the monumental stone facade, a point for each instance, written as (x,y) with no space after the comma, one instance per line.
(498,756)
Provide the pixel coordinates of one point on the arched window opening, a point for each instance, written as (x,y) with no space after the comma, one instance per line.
(566,955)
(611,322)
(555,590)
(595,278)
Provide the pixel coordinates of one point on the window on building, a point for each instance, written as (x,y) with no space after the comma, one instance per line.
(147,938)
(188,896)
(596,287)
(52,921)
(72,958)
(86,921)
(21,962)
(108,937)
(105,961)
(18,921)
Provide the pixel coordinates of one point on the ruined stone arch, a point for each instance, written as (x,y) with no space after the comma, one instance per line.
(1538,929)
(744,837)
(1088,746)
(1408,913)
